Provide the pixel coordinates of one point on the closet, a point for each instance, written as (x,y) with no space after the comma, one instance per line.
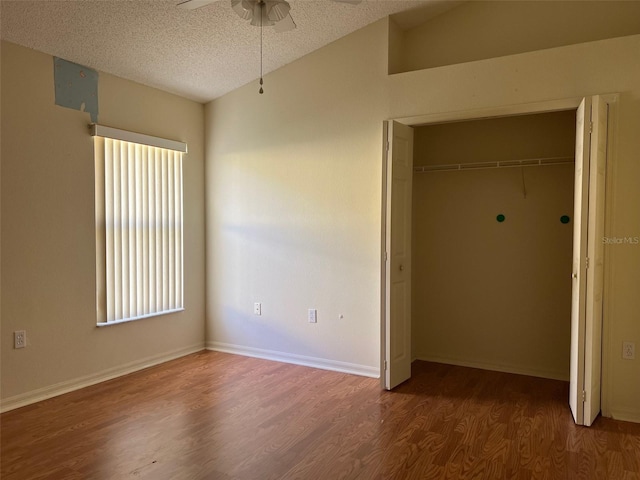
(492,231)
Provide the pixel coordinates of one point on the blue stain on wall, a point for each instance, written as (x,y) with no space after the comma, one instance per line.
(76,87)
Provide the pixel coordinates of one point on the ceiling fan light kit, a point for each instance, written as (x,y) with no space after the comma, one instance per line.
(261,12)
(277,10)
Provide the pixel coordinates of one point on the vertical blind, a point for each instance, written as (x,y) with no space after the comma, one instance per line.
(139,230)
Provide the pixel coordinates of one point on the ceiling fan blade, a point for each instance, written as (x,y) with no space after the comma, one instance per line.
(193,4)
(285,25)
(352,2)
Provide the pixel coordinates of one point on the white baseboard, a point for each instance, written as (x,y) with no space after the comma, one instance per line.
(625,415)
(17,401)
(302,360)
(532,372)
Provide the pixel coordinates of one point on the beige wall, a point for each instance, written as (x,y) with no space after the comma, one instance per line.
(488,294)
(496,28)
(293,197)
(396,48)
(293,208)
(501,139)
(48,236)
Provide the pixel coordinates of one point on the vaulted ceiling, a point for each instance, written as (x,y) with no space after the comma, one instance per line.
(200,54)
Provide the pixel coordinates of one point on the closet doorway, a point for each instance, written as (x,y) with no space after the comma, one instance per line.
(492,241)
(484,262)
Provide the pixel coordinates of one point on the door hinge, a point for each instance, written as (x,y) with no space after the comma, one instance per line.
(584,396)
(385,365)
(586,263)
(386,147)
(590,127)
(386,256)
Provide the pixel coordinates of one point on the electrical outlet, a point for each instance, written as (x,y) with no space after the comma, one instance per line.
(313,315)
(19,339)
(628,350)
(257,308)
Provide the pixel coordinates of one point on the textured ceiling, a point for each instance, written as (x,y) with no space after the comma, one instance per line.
(199,54)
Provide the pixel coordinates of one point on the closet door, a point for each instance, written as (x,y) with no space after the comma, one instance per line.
(578,275)
(595,254)
(588,256)
(397,281)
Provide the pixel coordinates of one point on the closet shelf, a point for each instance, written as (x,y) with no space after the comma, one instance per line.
(530,162)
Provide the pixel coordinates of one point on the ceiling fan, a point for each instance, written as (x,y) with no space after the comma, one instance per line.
(260,13)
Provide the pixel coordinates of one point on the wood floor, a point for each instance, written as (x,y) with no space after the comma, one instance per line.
(218,416)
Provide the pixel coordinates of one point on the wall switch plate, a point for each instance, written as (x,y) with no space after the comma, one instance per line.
(628,350)
(19,339)
(313,315)
(257,308)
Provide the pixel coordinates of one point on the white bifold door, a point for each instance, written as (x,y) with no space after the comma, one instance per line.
(588,256)
(588,260)
(396,365)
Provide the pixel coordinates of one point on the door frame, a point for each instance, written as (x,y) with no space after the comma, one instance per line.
(571,103)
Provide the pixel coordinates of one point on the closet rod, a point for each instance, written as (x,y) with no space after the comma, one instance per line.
(530,162)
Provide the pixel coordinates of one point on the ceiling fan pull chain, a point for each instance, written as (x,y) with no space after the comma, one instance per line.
(261,91)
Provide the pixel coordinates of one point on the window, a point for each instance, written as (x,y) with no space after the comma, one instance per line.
(139,260)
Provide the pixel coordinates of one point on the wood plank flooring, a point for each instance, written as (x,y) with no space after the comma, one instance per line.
(218,416)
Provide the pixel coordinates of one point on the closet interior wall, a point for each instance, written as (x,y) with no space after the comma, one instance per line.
(487,293)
